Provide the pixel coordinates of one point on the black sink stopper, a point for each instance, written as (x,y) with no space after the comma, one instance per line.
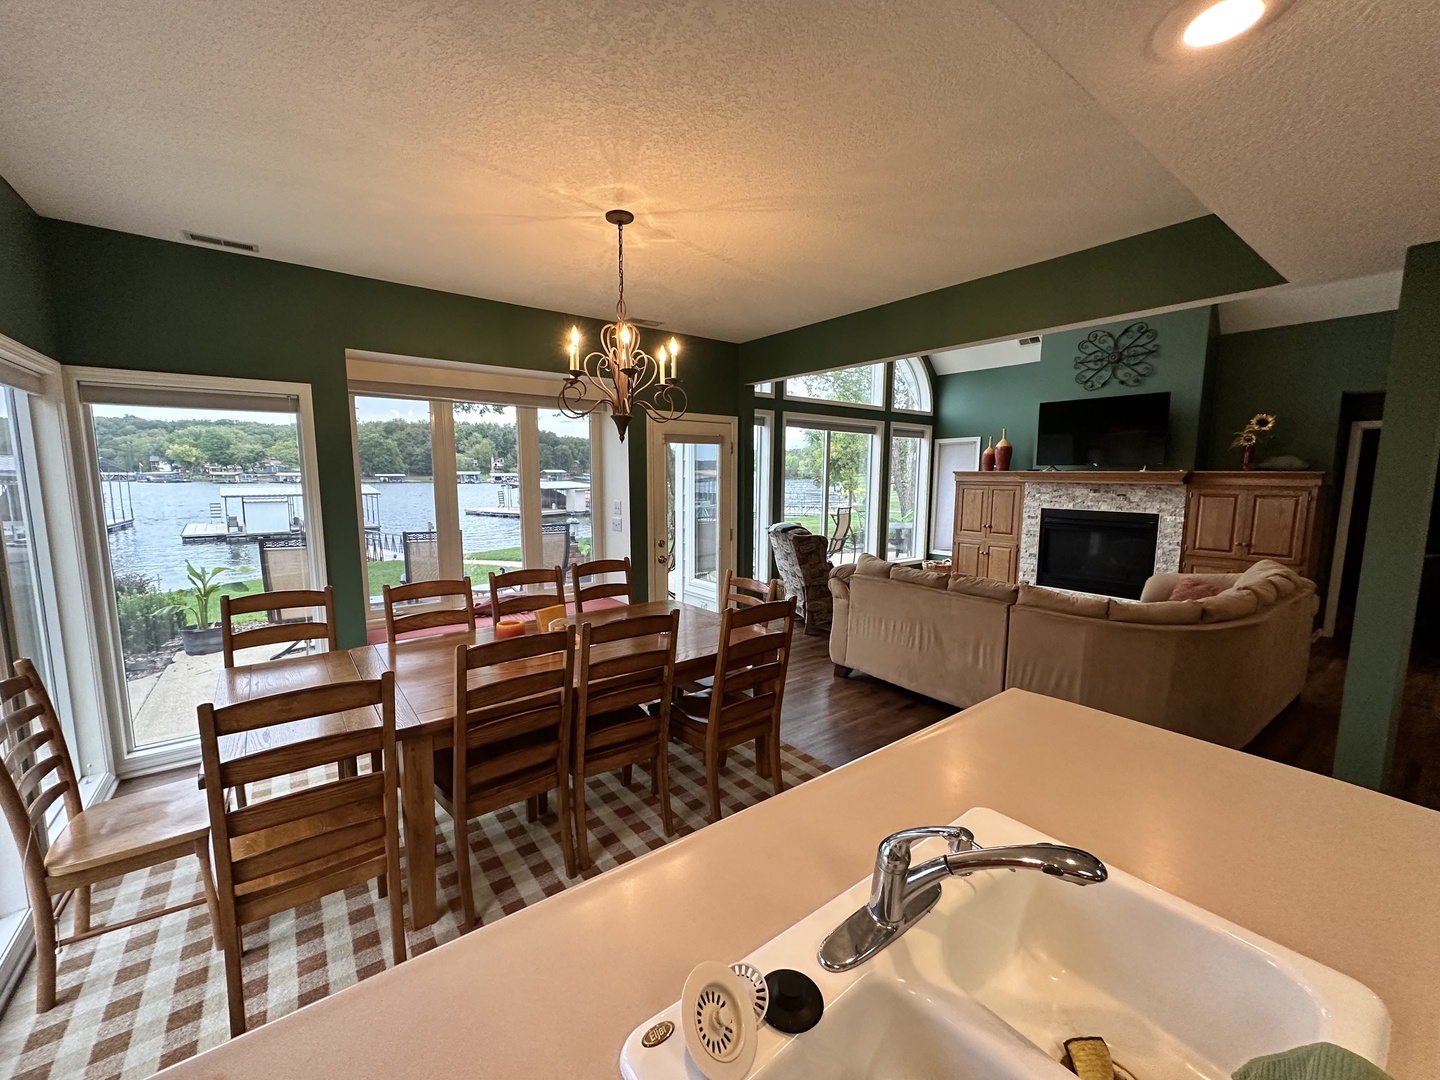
(796,1003)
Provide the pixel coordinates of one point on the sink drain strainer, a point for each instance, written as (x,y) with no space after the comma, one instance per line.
(718,1015)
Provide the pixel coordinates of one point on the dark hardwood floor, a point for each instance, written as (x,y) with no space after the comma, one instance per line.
(839,720)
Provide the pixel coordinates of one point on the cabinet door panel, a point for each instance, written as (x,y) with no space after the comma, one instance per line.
(966,557)
(1002,562)
(1214,521)
(1277,525)
(1005,512)
(969,509)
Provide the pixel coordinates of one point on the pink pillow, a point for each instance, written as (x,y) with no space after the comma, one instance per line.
(1191,588)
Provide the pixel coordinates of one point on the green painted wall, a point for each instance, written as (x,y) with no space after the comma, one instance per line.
(1299,373)
(1396,533)
(25,309)
(982,402)
(138,303)
(1192,261)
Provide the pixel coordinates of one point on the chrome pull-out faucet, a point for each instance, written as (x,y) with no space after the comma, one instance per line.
(900,894)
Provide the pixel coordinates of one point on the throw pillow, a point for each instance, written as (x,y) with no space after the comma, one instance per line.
(869,566)
(1193,588)
(935,579)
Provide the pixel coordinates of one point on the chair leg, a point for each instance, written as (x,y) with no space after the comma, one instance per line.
(377,762)
(348,767)
(234,983)
(713,765)
(660,778)
(532,809)
(762,763)
(723,757)
(42,915)
(240,802)
(82,909)
(582,828)
(777,771)
(567,830)
(207,882)
(397,910)
(462,864)
(627,774)
(542,802)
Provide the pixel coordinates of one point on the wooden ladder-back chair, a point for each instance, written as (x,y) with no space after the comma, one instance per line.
(429,618)
(625,666)
(299,845)
(745,698)
(288,625)
(747,592)
(523,601)
(511,740)
(288,608)
(585,594)
(112,838)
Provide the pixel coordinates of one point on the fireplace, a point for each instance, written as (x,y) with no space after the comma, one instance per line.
(1096,551)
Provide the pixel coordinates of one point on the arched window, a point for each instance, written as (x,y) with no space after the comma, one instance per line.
(911,385)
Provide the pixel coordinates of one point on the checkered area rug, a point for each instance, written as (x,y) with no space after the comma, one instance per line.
(135,1001)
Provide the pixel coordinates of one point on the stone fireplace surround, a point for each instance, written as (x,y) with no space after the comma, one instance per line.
(1165,499)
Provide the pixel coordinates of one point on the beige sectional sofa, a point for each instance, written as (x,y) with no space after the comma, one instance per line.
(1218,668)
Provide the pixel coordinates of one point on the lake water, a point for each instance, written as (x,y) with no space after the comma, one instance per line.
(153,547)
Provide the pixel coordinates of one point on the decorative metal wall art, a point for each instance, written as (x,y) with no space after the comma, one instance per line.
(1122,357)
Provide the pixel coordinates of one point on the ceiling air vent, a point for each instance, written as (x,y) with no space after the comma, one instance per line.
(220,242)
(651,324)
(1029,341)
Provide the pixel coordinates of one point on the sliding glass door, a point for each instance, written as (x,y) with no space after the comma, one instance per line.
(909,475)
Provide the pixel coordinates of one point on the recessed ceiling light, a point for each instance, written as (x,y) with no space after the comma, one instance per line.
(1222,21)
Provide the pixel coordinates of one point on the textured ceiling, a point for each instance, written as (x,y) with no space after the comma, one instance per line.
(1316,138)
(786,162)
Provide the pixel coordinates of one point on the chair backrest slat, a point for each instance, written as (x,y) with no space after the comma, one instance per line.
(551,578)
(232,640)
(305,803)
(32,748)
(623,664)
(602,589)
(430,617)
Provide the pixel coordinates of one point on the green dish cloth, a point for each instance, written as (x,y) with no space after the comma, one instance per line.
(1318,1061)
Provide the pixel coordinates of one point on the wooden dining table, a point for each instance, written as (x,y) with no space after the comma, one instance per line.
(424,671)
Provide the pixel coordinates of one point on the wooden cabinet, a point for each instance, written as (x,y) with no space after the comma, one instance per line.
(1234,519)
(987,529)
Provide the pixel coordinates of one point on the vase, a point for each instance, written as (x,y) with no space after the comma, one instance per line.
(1003,452)
(987,456)
(1247,456)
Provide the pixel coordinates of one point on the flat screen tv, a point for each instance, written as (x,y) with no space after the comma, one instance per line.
(1118,431)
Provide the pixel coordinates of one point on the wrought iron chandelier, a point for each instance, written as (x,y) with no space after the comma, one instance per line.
(622,374)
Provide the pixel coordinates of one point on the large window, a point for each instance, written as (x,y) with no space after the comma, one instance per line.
(464,486)
(863,385)
(831,469)
(910,386)
(204,493)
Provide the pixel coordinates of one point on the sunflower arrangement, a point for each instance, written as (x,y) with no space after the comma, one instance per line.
(1260,425)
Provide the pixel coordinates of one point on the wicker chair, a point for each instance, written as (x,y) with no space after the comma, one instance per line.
(800,558)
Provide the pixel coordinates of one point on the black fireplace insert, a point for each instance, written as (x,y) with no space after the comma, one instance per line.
(1097,551)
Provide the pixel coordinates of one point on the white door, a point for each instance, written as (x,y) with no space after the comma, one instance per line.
(692,509)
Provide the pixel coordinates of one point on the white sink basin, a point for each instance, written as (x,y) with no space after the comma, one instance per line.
(1007,966)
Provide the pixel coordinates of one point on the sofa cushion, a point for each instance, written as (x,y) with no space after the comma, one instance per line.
(935,579)
(1228,605)
(1161,613)
(1269,581)
(869,566)
(1193,588)
(986,588)
(1064,603)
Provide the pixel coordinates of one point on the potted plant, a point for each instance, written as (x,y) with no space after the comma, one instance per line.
(204,637)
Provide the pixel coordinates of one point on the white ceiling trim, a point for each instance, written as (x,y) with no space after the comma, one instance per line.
(1286,305)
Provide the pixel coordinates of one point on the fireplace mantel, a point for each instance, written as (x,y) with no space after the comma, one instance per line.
(1079,476)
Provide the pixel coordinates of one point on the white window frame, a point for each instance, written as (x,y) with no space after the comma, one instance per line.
(922,376)
(127,759)
(883,387)
(764,465)
(846,424)
(768,392)
(923,432)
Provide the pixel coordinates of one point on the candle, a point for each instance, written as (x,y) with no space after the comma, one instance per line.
(674,352)
(660,363)
(574,348)
(509,628)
